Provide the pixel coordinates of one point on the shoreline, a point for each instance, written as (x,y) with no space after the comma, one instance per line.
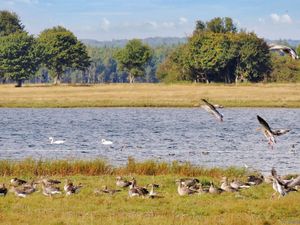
(150,95)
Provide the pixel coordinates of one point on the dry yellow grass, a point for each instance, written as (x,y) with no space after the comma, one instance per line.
(150,95)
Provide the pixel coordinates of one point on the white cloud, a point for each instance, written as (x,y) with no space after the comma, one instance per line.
(105,24)
(183,20)
(22,1)
(285,18)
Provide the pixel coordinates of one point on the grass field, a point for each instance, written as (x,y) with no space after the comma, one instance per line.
(252,206)
(150,95)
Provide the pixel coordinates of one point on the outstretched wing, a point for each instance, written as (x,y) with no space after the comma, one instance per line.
(211,109)
(280,132)
(264,124)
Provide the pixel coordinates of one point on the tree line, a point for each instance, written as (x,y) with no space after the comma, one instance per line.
(216,52)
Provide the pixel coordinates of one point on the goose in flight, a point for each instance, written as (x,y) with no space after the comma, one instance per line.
(58,142)
(212,109)
(268,132)
(284,49)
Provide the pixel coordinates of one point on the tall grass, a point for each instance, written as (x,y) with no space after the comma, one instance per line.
(30,167)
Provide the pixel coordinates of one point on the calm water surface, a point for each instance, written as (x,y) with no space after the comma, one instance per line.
(164,134)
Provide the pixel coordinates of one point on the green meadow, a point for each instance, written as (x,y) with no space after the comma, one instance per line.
(251,206)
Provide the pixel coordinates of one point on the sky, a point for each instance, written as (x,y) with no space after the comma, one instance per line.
(127,19)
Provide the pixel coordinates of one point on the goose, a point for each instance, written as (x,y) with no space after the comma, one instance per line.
(50,190)
(58,142)
(236,184)
(49,182)
(226,187)
(3,190)
(214,190)
(109,191)
(279,185)
(182,189)
(212,109)
(254,180)
(120,182)
(136,190)
(284,49)
(17,182)
(268,132)
(189,182)
(152,193)
(70,188)
(106,142)
(19,192)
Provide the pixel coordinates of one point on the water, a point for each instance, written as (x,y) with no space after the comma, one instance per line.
(164,134)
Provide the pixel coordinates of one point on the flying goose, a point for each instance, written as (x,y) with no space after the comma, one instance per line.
(212,109)
(268,132)
(284,49)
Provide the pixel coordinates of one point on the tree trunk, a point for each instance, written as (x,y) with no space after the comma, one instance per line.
(56,80)
(131,78)
(19,83)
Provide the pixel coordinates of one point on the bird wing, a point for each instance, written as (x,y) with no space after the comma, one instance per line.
(294,182)
(280,132)
(210,108)
(264,124)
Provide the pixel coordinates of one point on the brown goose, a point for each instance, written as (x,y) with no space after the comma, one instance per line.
(212,109)
(109,191)
(17,182)
(182,189)
(268,132)
(70,188)
(214,190)
(120,182)
(50,190)
(135,190)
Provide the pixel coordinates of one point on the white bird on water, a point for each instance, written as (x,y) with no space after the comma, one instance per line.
(106,142)
(58,142)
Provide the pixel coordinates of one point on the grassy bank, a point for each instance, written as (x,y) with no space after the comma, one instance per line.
(150,95)
(252,206)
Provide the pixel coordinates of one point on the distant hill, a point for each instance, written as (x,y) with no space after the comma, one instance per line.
(152,41)
(169,41)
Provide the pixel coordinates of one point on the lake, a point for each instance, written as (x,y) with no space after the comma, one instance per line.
(163,134)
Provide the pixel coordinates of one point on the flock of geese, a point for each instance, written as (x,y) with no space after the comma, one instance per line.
(185,186)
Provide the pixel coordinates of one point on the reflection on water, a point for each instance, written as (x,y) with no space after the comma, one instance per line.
(165,134)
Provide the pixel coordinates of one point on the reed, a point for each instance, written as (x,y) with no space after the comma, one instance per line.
(150,95)
(31,167)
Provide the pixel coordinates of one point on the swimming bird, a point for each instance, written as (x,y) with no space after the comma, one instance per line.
(17,182)
(120,182)
(212,109)
(268,132)
(284,49)
(106,142)
(3,190)
(58,142)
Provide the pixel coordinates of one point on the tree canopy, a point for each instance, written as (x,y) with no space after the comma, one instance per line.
(18,57)
(9,23)
(62,51)
(133,58)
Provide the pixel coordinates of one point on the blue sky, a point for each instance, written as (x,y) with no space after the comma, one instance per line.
(118,19)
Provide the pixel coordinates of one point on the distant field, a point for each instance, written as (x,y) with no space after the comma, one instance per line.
(253,206)
(150,95)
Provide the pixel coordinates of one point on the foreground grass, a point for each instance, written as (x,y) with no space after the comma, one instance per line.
(150,95)
(252,206)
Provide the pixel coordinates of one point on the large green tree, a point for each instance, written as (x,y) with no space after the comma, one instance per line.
(62,51)
(18,57)
(9,23)
(133,58)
